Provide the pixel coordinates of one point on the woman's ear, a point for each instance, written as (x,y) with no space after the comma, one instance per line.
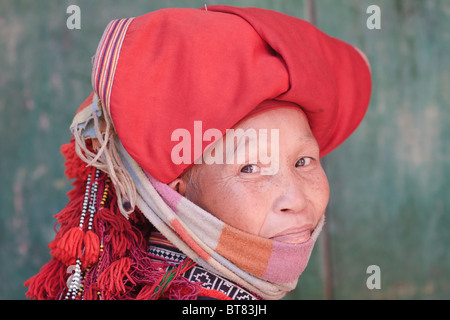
(179,185)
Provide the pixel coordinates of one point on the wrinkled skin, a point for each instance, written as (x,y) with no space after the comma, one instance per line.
(284,205)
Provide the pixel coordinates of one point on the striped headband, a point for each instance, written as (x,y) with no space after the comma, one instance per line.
(106,58)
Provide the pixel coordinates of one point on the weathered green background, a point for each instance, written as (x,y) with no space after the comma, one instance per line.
(390,181)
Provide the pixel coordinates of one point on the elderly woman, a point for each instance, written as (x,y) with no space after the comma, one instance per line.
(197,157)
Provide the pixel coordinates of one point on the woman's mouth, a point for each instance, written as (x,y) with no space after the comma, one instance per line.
(293,235)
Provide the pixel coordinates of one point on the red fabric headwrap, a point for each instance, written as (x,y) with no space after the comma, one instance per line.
(164,70)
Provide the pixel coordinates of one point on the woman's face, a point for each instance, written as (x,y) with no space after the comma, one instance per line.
(281,200)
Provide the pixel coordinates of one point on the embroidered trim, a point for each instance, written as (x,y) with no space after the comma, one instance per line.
(161,249)
(213,281)
(171,256)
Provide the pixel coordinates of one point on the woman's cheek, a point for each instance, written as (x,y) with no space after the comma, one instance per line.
(320,191)
(251,205)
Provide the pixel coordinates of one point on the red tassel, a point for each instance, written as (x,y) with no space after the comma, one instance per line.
(91,249)
(111,281)
(48,283)
(75,167)
(121,233)
(116,221)
(69,247)
(91,293)
(119,244)
(146,292)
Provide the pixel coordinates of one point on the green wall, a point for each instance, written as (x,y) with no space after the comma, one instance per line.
(389,182)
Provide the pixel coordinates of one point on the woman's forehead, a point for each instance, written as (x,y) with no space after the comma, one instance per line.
(268,132)
(282,118)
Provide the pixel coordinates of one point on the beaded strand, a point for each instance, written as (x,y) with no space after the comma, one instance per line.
(75,278)
(102,203)
(76,287)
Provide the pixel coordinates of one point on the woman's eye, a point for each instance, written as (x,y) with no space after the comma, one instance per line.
(250,168)
(302,162)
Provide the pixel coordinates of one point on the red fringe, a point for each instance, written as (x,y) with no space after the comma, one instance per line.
(147,292)
(122,270)
(182,289)
(69,247)
(48,283)
(91,249)
(75,167)
(117,223)
(91,293)
(69,217)
(112,281)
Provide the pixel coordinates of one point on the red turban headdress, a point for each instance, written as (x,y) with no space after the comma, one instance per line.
(166,69)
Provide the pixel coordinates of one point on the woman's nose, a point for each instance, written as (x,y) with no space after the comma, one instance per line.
(292,197)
